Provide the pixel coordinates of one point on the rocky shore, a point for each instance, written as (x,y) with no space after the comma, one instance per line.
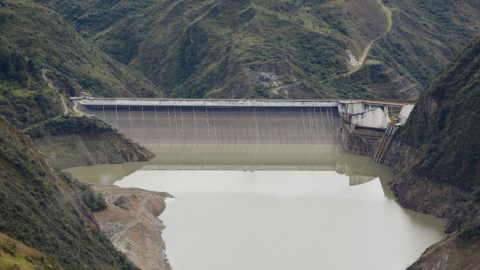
(131,223)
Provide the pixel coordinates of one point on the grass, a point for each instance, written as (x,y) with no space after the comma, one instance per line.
(13,252)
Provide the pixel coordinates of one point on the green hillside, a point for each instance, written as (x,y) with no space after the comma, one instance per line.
(42,208)
(229,48)
(24,98)
(426,35)
(74,65)
(269,48)
(444,126)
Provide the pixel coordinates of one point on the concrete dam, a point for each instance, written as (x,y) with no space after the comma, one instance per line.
(224,124)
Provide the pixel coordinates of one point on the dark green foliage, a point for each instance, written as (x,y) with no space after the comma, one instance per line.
(94,201)
(14,66)
(352,86)
(67,125)
(444,126)
(39,210)
(23,107)
(470,231)
(24,98)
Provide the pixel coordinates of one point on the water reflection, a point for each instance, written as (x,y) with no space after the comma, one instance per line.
(228,157)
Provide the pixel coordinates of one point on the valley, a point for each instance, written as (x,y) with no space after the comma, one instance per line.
(377,160)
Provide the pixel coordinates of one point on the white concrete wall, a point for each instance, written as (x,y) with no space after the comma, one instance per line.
(350,107)
(405,113)
(371,118)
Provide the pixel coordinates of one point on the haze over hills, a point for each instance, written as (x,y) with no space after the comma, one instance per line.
(266,48)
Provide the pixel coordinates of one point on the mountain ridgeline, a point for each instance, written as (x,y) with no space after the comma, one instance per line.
(273,49)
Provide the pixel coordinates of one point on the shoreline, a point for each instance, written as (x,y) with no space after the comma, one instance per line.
(131,222)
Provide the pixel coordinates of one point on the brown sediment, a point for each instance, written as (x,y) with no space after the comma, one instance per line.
(131,223)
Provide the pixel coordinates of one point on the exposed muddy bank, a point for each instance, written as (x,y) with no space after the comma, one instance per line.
(86,149)
(131,223)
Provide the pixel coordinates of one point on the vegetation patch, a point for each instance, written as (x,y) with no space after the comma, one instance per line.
(470,231)
(13,252)
(67,125)
(443,127)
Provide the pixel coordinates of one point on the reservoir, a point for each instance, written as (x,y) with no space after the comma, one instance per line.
(275,205)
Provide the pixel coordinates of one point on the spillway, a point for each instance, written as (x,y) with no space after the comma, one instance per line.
(224,125)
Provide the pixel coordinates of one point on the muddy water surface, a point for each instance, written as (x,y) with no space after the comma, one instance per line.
(276,207)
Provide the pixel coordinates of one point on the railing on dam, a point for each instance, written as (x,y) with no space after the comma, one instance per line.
(205,102)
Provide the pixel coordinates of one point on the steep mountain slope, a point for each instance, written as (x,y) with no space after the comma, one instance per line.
(41,209)
(74,65)
(444,126)
(267,48)
(436,161)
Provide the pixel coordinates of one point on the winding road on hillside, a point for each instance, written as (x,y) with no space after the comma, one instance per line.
(65,108)
(77,110)
(369,45)
(365,52)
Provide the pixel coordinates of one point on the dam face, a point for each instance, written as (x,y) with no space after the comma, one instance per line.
(224,125)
